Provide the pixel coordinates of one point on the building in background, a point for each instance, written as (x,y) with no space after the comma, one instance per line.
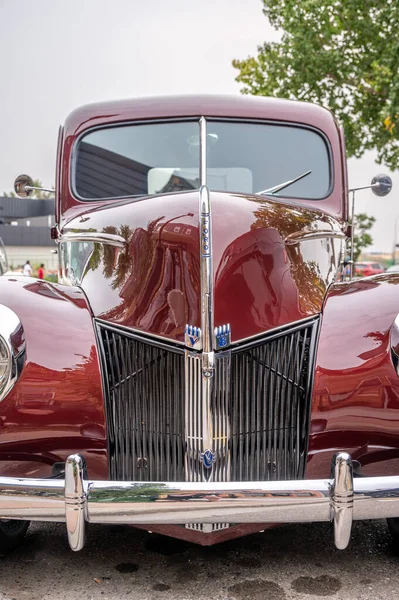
(25,230)
(385,258)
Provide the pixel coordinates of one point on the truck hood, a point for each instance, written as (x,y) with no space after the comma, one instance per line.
(272,262)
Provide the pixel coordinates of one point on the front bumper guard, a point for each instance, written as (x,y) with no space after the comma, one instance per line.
(77,501)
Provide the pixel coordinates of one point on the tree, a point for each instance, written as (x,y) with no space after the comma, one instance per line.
(35,194)
(342,54)
(362,238)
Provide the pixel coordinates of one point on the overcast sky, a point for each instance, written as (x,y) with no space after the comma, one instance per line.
(59,54)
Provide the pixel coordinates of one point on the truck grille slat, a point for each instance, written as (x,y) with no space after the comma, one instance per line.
(259,410)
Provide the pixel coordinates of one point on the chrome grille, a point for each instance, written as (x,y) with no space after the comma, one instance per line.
(270,392)
(193,417)
(144,407)
(207,427)
(257,421)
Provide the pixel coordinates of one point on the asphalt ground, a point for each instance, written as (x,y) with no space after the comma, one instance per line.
(293,561)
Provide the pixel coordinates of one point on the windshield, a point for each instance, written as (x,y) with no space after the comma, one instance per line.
(156,158)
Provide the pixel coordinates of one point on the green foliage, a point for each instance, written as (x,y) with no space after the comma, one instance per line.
(35,194)
(362,238)
(342,54)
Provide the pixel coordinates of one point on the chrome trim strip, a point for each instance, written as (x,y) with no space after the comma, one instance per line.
(206,417)
(207,355)
(207,420)
(236,345)
(206,270)
(91,236)
(149,338)
(135,502)
(303,236)
(193,416)
(202,124)
(270,333)
(206,274)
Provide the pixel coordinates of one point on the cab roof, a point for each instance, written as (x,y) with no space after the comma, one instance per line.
(228,106)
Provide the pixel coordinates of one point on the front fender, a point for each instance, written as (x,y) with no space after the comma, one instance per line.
(356,387)
(56,407)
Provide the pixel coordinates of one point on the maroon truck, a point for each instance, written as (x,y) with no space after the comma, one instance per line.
(203,368)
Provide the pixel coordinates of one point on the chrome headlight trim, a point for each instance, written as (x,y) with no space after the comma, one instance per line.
(5,365)
(12,340)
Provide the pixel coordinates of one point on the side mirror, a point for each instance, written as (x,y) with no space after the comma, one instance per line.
(23,186)
(381,185)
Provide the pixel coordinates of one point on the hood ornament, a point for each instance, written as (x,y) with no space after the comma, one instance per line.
(207,372)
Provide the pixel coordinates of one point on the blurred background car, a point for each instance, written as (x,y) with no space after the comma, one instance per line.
(366,268)
(393,269)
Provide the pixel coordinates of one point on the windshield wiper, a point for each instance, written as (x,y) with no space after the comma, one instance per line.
(281,186)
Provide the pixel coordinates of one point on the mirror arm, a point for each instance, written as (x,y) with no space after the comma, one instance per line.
(365,187)
(31,187)
(352,229)
(352,233)
(381,186)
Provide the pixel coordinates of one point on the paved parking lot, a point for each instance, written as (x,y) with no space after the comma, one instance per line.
(295,561)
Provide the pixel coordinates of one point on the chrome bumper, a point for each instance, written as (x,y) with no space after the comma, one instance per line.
(77,500)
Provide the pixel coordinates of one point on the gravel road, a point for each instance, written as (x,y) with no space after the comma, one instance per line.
(293,561)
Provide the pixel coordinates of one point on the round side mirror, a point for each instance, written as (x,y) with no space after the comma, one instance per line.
(23,186)
(381,185)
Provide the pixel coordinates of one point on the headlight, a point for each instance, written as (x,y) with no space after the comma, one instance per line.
(5,365)
(12,349)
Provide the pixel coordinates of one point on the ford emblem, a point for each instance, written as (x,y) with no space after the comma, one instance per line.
(208,457)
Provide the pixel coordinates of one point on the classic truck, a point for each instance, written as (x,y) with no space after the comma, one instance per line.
(204,367)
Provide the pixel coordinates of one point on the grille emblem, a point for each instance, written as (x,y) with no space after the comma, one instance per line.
(193,337)
(222,336)
(208,457)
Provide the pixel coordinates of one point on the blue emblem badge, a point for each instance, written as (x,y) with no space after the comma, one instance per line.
(222,341)
(193,337)
(208,457)
(222,336)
